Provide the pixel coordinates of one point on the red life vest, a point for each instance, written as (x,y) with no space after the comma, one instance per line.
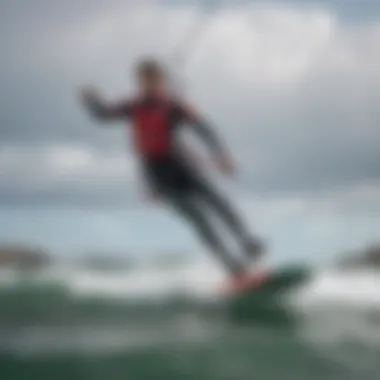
(151,129)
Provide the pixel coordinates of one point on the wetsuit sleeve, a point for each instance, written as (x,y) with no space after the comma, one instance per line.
(109,112)
(205,131)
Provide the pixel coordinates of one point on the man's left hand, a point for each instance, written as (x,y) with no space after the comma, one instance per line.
(226,165)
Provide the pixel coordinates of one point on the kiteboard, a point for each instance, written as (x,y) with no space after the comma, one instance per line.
(260,298)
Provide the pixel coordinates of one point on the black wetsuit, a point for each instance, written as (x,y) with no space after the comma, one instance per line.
(168,170)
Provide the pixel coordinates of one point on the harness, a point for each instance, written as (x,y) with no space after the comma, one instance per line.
(151,128)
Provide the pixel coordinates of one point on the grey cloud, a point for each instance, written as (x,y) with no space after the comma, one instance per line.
(348,10)
(321,133)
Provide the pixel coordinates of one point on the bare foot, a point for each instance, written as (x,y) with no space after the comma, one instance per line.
(245,282)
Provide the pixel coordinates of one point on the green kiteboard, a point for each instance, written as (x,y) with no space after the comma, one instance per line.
(264,303)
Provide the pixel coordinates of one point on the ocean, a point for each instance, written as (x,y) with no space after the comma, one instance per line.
(156,323)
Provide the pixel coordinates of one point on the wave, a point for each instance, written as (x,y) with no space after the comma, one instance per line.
(73,295)
(68,309)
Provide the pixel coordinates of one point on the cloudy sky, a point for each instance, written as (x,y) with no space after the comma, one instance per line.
(293,86)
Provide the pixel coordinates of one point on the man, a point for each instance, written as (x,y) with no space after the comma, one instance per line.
(156,117)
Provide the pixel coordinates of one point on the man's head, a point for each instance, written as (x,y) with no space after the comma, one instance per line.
(151,77)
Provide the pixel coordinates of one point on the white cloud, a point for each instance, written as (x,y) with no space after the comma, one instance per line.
(55,167)
(68,159)
(348,200)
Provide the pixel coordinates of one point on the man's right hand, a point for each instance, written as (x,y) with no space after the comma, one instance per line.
(89,95)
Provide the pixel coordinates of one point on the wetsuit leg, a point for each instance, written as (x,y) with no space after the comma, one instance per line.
(252,246)
(187,205)
(180,184)
(224,209)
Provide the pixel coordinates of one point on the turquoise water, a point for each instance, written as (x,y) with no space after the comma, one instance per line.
(49,332)
(235,353)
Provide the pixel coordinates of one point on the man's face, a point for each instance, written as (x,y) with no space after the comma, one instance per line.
(151,83)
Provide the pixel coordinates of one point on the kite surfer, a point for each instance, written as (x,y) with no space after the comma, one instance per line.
(155,116)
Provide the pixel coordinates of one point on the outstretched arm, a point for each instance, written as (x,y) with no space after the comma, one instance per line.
(101,110)
(207,133)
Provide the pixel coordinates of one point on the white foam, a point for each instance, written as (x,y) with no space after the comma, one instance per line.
(359,288)
(199,279)
(203,279)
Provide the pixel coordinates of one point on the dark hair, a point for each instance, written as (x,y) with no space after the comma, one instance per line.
(150,67)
